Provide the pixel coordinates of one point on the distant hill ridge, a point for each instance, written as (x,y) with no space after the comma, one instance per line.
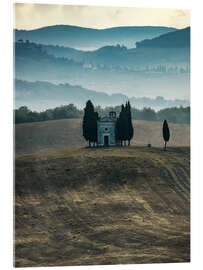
(46,94)
(98,70)
(176,39)
(81,37)
(165,64)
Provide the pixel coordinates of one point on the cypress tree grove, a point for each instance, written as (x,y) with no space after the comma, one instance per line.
(166,133)
(90,123)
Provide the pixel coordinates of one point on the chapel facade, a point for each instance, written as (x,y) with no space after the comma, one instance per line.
(106,127)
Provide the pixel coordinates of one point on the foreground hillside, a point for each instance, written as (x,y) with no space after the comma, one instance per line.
(102,206)
(67,133)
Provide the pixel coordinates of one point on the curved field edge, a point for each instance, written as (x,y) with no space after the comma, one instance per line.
(102,206)
(67,133)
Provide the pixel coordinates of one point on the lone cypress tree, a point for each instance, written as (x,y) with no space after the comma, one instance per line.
(90,123)
(166,133)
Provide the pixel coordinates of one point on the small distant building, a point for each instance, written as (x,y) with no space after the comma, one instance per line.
(106,127)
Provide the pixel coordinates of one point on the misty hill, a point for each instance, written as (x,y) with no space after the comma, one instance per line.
(61,51)
(89,38)
(31,59)
(173,47)
(134,72)
(176,39)
(43,95)
(159,52)
(109,57)
(168,49)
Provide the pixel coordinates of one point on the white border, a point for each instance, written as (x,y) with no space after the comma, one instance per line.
(6,196)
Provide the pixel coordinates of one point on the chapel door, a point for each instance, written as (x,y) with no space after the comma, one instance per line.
(106,140)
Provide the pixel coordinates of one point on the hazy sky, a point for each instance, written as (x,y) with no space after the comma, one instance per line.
(31,16)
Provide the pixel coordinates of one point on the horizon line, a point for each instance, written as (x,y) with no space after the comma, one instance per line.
(121,26)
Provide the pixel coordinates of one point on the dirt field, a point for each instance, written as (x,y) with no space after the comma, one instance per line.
(102,206)
(67,133)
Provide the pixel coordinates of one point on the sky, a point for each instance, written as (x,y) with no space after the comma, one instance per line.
(32,16)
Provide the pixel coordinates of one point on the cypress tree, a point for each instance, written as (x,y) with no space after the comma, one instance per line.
(122,125)
(119,128)
(90,123)
(166,133)
(94,128)
(130,125)
(125,123)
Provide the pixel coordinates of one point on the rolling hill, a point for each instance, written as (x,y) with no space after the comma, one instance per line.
(176,39)
(172,46)
(102,206)
(67,133)
(167,47)
(42,95)
(137,72)
(89,38)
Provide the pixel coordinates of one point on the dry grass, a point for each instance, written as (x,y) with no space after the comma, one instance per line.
(67,133)
(102,206)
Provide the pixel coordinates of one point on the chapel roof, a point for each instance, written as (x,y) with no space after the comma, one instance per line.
(106,119)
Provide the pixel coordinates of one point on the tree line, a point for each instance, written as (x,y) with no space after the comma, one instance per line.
(180,115)
(24,114)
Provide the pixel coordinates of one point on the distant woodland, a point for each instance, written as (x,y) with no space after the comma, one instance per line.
(178,115)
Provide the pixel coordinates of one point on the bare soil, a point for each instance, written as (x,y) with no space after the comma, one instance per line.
(102,206)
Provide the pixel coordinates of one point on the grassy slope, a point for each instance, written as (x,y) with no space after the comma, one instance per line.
(103,206)
(67,133)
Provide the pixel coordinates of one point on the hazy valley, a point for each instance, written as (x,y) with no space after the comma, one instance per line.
(160,68)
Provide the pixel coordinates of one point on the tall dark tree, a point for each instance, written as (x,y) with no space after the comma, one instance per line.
(121,125)
(94,129)
(90,123)
(124,117)
(166,133)
(118,129)
(124,127)
(130,125)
